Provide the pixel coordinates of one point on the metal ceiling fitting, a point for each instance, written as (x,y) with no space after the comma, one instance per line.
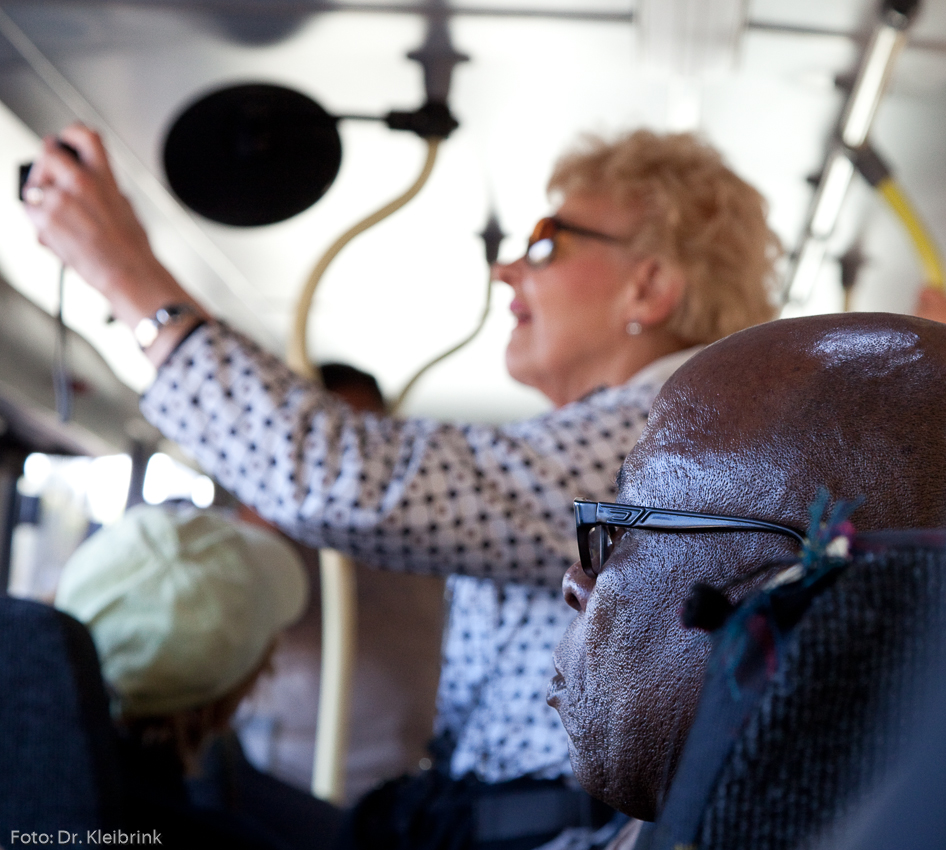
(873,73)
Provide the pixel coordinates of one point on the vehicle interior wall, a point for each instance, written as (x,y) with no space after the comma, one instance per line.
(540,73)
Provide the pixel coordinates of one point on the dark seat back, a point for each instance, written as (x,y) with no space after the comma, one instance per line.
(809,696)
(58,761)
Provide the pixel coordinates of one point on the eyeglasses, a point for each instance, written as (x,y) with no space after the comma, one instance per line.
(541,248)
(600,525)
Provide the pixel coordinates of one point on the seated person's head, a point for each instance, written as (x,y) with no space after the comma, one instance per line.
(752,428)
(184,608)
(356,388)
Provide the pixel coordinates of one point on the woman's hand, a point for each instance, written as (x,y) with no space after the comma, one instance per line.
(81,215)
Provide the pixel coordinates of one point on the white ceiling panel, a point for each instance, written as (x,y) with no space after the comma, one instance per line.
(541,73)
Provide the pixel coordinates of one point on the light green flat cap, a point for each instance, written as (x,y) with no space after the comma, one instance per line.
(182,606)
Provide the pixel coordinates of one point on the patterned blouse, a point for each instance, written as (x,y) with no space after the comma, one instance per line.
(490,505)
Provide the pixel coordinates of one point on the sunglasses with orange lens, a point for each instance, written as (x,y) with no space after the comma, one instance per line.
(542,243)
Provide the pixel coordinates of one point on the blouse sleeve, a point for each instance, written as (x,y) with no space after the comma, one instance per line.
(404,494)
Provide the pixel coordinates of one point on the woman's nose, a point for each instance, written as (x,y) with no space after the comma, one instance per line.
(510,273)
(577,587)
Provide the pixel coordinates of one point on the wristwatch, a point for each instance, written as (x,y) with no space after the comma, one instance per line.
(147,330)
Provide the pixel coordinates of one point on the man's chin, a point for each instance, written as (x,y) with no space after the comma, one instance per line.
(588,774)
(593,776)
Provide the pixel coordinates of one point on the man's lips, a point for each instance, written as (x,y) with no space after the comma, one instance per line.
(555,689)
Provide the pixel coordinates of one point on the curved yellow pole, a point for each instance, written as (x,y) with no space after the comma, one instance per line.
(399,401)
(296,355)
(337,573)
(929,255)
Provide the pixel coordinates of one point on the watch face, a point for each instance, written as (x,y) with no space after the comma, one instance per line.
(146,332)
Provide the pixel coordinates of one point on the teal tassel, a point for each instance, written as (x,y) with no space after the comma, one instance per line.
(828,542)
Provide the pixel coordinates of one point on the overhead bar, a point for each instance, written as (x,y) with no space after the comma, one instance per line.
(860,108)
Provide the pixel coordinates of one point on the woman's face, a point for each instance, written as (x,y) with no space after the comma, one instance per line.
(572,314)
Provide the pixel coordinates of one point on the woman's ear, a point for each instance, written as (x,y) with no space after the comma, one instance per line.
(655,290)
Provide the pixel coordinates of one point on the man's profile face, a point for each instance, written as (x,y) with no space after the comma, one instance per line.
(627,668)
(629,672)
(752,427)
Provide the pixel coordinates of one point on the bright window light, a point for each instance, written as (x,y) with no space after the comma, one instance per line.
(101,483)
(869,89)
(831,195)
(74,471)
(165,479)
(807,270)
(202,492)
(36,471)
(107,489)
(158,479)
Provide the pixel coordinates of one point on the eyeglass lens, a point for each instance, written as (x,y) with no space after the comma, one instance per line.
(600,546)
(539,253)
(542,242)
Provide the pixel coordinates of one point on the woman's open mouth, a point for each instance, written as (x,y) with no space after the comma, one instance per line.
(518,308)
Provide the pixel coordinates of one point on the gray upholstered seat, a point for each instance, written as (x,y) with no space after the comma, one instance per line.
(808,699)
(58,761)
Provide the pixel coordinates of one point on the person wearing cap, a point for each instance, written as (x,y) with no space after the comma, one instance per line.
(655,248)
(184,608)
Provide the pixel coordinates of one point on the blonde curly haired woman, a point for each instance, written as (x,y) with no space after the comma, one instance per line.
(655,248)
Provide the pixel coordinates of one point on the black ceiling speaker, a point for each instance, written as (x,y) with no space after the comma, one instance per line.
(252,154)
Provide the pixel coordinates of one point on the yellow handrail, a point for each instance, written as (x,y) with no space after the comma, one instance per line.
(339,642)
(297,355)
(399,401)
(928,252)
(337,573)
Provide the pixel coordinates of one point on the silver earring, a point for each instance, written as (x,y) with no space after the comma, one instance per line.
(634,328)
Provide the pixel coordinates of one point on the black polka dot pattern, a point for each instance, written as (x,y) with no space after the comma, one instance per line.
(492,504)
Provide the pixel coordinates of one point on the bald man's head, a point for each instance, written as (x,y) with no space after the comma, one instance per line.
(751,427)
(856,403)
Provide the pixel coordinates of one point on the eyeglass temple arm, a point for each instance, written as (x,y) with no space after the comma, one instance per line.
(631,516)
(582,231)
(673,522)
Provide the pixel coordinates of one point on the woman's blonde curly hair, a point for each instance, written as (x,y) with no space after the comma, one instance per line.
(695,212)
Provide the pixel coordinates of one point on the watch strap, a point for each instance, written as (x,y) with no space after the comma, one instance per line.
(147,330)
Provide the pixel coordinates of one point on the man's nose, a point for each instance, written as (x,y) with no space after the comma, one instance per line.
(577,587)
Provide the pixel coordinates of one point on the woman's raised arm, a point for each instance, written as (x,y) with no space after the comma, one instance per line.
(81,215)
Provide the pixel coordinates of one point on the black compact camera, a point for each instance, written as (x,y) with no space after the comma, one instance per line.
(26,166)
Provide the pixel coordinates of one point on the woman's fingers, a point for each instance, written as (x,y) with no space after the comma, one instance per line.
(81,215)
(89,146)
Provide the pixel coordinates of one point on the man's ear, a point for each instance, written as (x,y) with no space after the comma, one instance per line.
(655,290)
